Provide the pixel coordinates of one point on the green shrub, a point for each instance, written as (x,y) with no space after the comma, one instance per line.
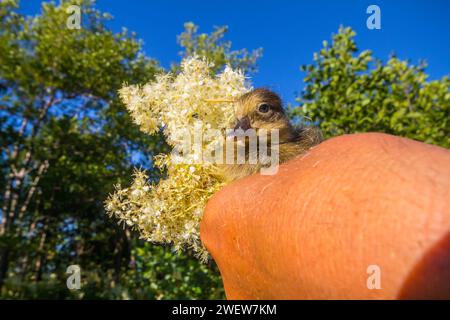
(347,92)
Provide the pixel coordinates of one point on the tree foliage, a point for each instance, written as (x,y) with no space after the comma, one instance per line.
(347,92)
(216,49)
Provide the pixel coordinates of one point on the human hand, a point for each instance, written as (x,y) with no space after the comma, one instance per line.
(316,228)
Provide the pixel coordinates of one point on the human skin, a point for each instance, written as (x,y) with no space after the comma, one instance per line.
(317,228)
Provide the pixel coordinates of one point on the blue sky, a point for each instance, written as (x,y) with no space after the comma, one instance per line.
(289,31)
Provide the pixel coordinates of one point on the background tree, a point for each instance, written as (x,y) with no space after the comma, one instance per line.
(347,92)
(64,143)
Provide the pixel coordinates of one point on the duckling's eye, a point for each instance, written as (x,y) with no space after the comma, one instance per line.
(263,108)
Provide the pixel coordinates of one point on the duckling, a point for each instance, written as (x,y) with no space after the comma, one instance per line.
(262,109)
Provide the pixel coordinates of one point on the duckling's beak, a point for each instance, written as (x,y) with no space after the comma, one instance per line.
(243,124)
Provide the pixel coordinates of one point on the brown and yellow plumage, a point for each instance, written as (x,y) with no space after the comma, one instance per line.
(262,109)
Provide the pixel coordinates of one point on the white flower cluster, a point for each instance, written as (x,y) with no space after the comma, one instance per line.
(171,211)
(181,101)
